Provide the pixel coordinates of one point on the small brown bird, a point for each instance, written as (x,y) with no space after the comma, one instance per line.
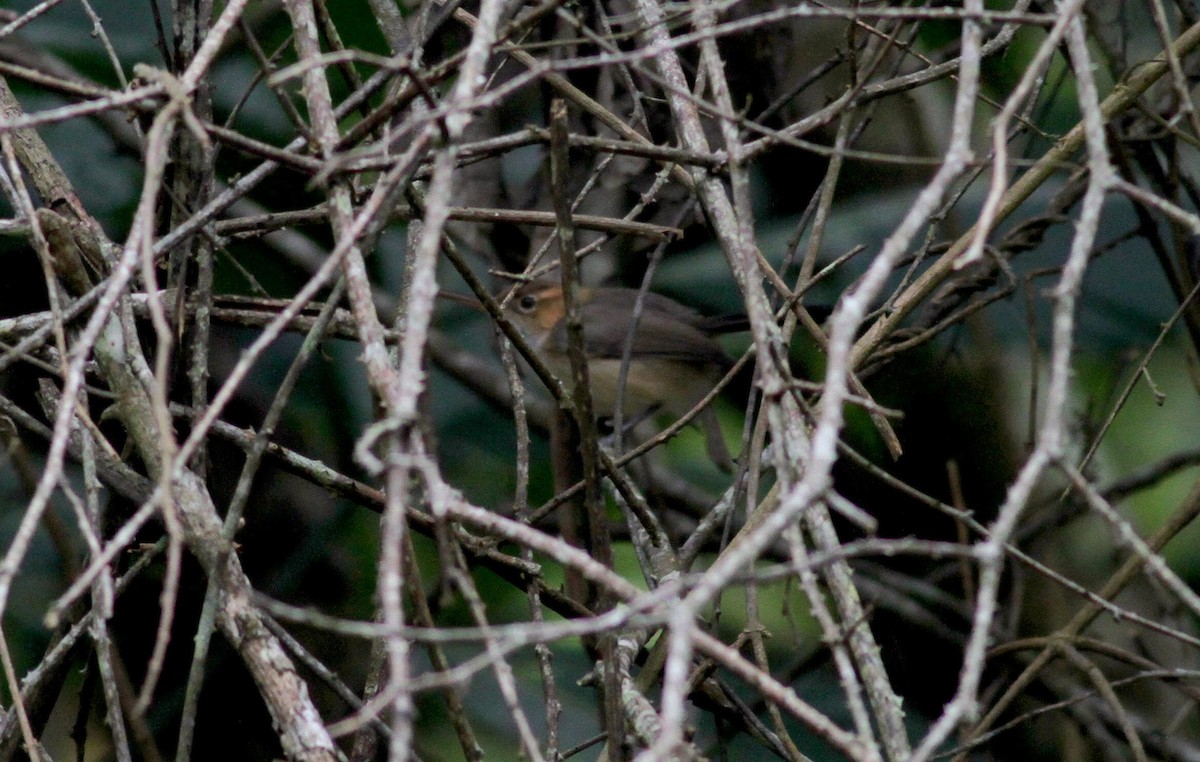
(674,360)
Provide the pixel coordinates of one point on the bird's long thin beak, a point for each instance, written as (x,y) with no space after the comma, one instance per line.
(463,299)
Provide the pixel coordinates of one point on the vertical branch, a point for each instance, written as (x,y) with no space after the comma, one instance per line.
(1052,434)
(597,535)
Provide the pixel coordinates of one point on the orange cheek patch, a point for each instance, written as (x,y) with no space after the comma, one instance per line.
(549,311)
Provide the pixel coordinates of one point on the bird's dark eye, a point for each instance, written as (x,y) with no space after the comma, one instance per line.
(527,303)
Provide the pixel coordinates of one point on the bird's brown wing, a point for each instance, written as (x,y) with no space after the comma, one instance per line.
(666,330)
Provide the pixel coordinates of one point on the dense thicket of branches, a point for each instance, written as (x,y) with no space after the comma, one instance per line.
(266,495)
